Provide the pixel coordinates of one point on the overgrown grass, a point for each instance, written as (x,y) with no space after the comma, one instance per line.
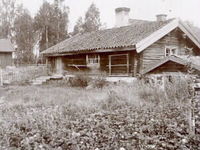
(134,116)
(23,75)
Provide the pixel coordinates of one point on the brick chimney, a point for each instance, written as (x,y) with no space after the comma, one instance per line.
(161,17)
(122,16)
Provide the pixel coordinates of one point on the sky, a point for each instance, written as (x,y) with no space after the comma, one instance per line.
(140,9)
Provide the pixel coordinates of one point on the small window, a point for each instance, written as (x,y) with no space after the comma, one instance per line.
(93,59)
(170,51)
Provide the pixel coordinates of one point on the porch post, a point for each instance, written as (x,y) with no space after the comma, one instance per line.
(135,65)
(110,65)
(59,65)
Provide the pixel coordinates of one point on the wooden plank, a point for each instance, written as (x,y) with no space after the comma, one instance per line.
(119,70)
(127,63)
(119,65)
(110,65)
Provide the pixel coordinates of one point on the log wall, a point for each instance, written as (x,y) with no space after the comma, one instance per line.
(79,60)
(5,59)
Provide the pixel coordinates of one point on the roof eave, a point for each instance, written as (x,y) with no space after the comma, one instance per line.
(117,49)
(143,44)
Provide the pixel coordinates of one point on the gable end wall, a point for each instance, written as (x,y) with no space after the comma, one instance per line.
(156,51)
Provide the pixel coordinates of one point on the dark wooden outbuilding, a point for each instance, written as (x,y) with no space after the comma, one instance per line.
(6,51)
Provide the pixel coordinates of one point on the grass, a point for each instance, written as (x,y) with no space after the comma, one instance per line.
(22,75)
(130,116)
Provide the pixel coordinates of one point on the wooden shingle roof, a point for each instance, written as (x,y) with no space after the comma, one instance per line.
(6,46)
(121,37)
(175,59)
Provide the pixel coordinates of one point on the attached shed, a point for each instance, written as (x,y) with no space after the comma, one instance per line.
(6,50)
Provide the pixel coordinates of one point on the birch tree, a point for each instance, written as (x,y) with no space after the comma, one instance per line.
(92,19)
(52,22)
(24,37)
(78,28)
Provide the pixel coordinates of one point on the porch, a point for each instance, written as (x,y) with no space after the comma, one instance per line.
(110,64)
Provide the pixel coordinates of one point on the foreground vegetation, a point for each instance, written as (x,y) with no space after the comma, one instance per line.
(126,116)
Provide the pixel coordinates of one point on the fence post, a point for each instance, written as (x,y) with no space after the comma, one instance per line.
(1,77)
(197,108)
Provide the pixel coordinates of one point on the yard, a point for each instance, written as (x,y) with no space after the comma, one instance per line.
(117,116)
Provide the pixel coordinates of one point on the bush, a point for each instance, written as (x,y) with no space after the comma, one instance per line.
(150,93)
(179,88)
(99,82)
(79,81)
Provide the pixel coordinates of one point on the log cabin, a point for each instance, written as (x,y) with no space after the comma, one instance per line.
(6,51)
(133,47)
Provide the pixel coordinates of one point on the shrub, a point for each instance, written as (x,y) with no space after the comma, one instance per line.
(79,81)
(99,81)
(150,93)
(179,88)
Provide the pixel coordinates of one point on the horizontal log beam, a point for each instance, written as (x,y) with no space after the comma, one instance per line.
(91,51)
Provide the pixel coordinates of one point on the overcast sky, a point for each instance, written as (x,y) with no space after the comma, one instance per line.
(140,9)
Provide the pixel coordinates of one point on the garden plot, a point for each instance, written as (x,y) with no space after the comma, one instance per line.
(126,116)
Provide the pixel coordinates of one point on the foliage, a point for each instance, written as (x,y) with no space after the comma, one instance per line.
(99,81)
(78,28)
(24,37)
(111,118)
(179,88)
(79,81)
(23,75)
(8,13)
(91,21)
(52,22)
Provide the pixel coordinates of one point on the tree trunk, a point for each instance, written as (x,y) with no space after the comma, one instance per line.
(47,39)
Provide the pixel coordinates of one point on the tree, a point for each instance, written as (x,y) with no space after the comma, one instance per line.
(24,37)
(8,13)
(92,19)
(78,28)
(52,22)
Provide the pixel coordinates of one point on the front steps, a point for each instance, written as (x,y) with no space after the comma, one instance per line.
(40,80)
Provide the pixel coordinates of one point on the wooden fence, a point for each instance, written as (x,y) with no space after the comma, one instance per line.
(197,110)
(21,74)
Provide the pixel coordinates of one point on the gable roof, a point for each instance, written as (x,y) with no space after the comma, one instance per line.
(6,46)
(121,37)
(176,23)
(195,29)
(175,59)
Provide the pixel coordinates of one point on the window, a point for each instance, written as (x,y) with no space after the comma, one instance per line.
(170,51)
(93,59)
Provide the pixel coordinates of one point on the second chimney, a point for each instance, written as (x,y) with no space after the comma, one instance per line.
(122,16)
(161,17)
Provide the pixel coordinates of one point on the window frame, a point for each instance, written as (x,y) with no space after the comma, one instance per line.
(92,61)
(171,48)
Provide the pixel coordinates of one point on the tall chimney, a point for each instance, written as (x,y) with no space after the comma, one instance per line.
(122,16)
(161,17)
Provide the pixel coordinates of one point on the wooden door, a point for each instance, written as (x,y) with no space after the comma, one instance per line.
(119,65)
